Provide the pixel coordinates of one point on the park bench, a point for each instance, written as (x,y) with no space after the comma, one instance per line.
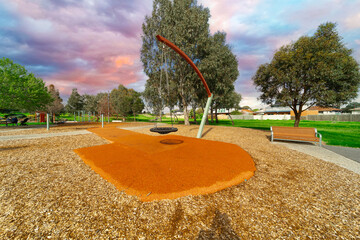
(300,134)
(9,121)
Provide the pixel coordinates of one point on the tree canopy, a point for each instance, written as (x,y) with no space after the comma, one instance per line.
(20,89)
(126,101)
(75,101)
(56,105)
(186,24)
(314,70)
(350,106)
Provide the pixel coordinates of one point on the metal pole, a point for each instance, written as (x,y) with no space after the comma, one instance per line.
(108,107)
(47,121)
(102,120)
(203,120)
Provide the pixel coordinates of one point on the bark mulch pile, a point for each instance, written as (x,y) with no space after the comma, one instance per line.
(47,191)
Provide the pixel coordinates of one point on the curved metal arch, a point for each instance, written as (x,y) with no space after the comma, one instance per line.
(182,54)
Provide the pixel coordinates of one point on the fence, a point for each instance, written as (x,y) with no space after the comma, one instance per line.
(336,118)
(323,117)
(261,117)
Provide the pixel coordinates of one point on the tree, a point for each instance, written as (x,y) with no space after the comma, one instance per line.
(350,106)
(75,102)
(220,69)
(315,70)
(121,101)
(136,103)
(185,24)
(152,97)
(20,89)
(91,102)
(56,105)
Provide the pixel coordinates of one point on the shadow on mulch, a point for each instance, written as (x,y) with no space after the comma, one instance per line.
(220,228)
(11,148)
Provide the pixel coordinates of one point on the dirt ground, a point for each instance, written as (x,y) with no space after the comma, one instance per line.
(47,191)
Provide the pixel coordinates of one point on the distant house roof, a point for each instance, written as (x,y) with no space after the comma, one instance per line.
(277,110)
(329,109)
(246,110)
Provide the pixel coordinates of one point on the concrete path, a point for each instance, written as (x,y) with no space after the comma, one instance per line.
(323,154)
(139,127)
(348,152)
(43,135)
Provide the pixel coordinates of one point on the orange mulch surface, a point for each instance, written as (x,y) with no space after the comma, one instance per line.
(168,166)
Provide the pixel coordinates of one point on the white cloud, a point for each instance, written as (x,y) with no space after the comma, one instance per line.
(353,22)
(252,102)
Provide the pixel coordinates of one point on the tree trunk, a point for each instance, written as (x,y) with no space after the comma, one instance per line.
(186,116)
(297,114)
(134,117)
(297,119)
(186,112)
(216,116)
(211,114)
(194,112)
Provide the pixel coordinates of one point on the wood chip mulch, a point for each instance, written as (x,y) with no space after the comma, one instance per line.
(48,192)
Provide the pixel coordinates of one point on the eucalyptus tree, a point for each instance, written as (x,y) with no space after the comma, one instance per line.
(56,105)
(152,97)
(91,102)
(136,103)
(184,23)
(315,70)
(120,101)
(75,102)
(20,89)
(220,69)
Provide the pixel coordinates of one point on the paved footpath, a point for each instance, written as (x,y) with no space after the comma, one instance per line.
(43,135)
(324,154)
(348,152)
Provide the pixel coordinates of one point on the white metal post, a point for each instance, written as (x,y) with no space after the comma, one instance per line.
(102,120)
(203,120)
(47,121)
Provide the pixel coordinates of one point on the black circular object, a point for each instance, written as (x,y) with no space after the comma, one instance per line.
(171,141)
(164,130)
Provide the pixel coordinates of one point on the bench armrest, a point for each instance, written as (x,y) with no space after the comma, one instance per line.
(317,134)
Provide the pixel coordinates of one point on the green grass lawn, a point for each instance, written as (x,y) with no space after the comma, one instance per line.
(334,133)
(345,134)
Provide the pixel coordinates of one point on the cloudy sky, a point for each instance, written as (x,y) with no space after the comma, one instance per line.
(95,45)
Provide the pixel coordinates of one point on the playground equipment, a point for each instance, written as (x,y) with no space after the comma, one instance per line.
(210,95)
(165,130)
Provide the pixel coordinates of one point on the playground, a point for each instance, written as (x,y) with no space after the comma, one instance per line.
(48,190)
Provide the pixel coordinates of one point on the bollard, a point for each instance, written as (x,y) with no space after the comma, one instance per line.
(47,122)
(102,120)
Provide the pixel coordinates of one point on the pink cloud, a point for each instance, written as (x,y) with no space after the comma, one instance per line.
(224,13)
(250,61)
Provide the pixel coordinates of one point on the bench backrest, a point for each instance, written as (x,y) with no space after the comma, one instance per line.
(294,130)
